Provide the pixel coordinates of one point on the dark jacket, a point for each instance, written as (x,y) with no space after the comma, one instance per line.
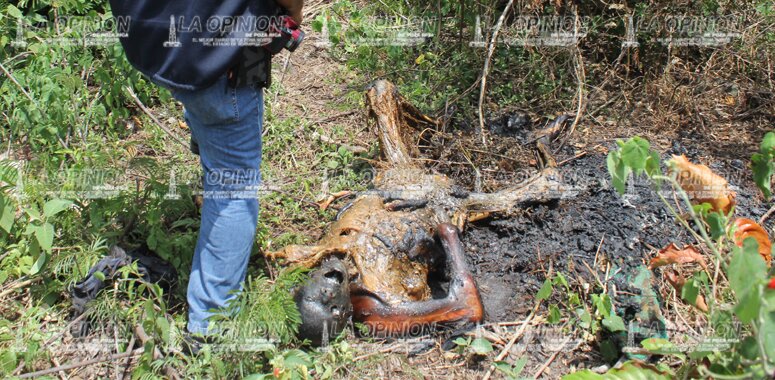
(172,56)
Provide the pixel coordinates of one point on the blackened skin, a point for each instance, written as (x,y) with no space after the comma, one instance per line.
(461,305)
(324,302)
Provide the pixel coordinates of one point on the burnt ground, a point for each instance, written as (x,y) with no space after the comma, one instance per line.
(511,255)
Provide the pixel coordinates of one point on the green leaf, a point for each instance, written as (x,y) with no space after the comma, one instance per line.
(748,306)
(652,165)
(297,358)
(560,280)
(768,334)
(746,268)
(763,169)
(690,291)
(635,152)
(585,319)
(659,346)
(603,304)
(317,26)
(7,361)
(33,212)
(717,224)
(55,206)
(39,264)
(618,171)
(554,314)
(163,326)
(545,291)
(7,214)
(481,346)
(100,276)
(614,323)
(460,341)
(332,164)
(768,143)
(45,235)
(703,208)
(14,12)
(749,348)
(511,371)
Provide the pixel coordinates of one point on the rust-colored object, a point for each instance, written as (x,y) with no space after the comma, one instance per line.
(748,228)
(674,255)
(677,281)
(398,235)
(462,303)
(703,185)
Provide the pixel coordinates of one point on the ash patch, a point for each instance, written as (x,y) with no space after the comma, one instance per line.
(511,255)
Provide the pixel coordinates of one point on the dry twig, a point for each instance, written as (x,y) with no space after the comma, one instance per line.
(155,120)
(486,68)
(82,363)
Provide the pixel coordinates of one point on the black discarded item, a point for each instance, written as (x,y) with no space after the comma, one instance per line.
(151,268)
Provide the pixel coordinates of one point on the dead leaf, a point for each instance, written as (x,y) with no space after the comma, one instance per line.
(325,203)
(677,281)
(673,255)
(748,228)
(703,185)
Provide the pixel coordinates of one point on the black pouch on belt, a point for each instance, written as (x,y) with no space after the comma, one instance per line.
(255,68)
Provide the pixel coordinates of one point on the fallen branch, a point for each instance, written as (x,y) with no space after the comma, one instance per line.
(155,120)
(352,148)
(563,162)
(16,286)
(129,358)
(513,340)
(767,215)
(333,117)
(580,78)
(552,357)
(168,371)
(486,68)
(84,363)
(18,85)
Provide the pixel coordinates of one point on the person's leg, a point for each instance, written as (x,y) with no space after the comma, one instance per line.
(226,123)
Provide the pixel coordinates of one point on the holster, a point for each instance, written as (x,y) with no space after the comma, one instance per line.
(254,68)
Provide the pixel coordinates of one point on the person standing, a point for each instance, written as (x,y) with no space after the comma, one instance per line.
(224,111)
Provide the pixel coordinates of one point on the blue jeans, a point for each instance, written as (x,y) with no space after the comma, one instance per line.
(226,123)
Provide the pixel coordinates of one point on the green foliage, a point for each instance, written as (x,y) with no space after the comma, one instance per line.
(64,89)
(30,238)
(476,346)
(373,39)
(633,156)
(763,164)
(628,371)
(751,302)
(512,372)
(264,309)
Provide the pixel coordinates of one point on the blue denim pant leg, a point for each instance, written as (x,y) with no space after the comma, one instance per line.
(226,123)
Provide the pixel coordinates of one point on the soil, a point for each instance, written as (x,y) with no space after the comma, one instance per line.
(510,255)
